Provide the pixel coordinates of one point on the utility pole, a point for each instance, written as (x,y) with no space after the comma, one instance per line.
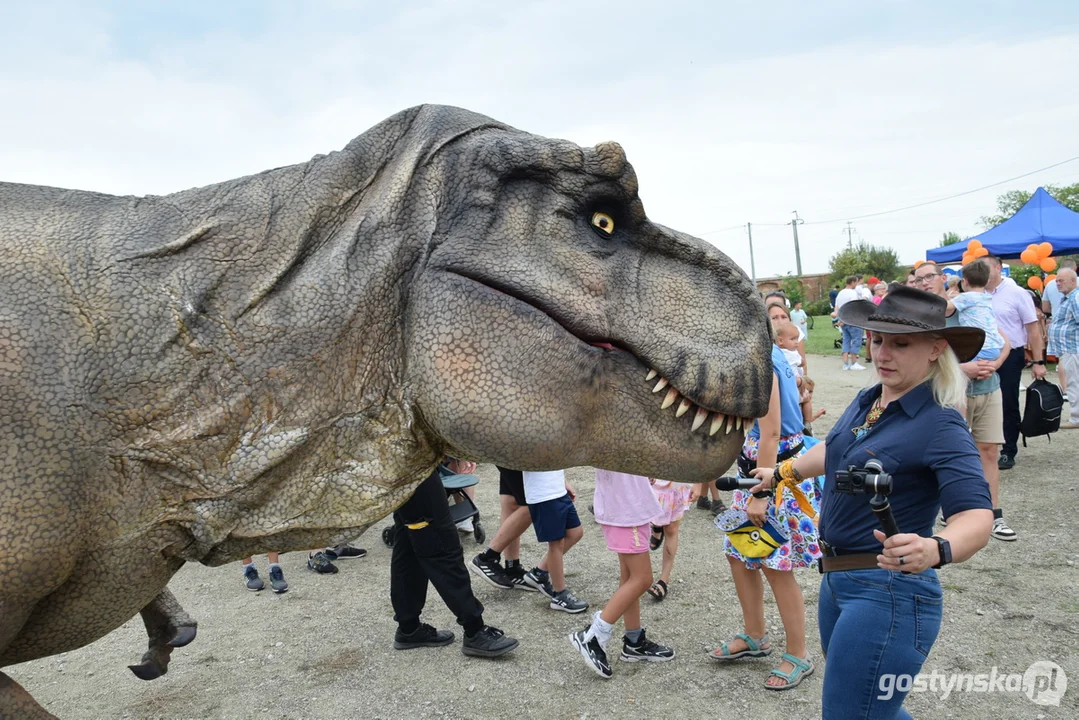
(797,253)
(752,265)
(849,231)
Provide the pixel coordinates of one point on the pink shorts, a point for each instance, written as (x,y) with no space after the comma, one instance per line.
(627,540)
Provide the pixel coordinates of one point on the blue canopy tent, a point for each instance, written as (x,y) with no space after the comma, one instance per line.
(1042,219)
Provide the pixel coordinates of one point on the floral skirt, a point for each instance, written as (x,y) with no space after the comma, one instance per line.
(673,501)
(803,549)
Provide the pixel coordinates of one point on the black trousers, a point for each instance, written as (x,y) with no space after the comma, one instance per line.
(430,550)
(1011,374)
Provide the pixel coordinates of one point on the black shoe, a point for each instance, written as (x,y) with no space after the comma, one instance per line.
(718,506)
(423,636)
(489,642)
(347,552)
(540,580)
(592,653)
(516,575)
(645,651)
(252,580)
(277,581)
(1006,462)
(565,602)
(320,563)
(491,571)
(703,503)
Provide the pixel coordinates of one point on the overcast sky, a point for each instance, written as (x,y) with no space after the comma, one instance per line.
(730,112)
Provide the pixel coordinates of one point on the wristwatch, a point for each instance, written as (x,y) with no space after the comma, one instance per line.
(945,549)
(1039,362)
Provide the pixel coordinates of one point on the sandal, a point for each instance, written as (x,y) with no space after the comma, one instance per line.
(655,542)
(802,670)
(658,590)
(754,650)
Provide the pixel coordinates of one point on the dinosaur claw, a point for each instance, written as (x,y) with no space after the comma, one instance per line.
(148,670)
(183,636)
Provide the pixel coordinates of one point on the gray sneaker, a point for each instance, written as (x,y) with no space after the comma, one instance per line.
(277,581)
(565,602)
(252,581)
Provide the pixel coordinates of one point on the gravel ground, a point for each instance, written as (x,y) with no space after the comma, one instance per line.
(324,649)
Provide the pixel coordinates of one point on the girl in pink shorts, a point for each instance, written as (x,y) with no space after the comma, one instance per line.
(625,507)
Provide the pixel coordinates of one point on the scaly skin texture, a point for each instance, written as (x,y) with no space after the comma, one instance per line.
(275,362)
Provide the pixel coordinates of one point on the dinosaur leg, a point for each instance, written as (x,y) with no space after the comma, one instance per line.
(168,627)
(15,702)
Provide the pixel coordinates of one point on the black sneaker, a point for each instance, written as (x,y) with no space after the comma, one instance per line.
(516,575)
(565,602)
(718,506)
(491,571)
(423,636)
(592,653)
(489,642)
(277,581)
(252,580)
(645,651)
(540,580)
(347,552)
(1005,462)
(703,502)
(320,563)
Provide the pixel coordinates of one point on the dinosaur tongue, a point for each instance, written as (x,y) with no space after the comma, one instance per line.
(604,345)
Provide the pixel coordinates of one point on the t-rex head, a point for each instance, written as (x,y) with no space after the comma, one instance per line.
(551,324)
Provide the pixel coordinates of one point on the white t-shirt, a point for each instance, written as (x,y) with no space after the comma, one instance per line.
(543,486)
(794,360)
(845,296)
(864,293)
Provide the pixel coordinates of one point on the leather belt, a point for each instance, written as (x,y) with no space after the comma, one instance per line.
(841,563)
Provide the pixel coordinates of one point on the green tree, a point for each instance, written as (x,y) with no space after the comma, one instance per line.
(950,238)
(863,259)
(794,290)
(1009,203)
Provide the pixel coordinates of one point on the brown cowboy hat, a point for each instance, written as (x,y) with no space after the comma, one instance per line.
(908,311)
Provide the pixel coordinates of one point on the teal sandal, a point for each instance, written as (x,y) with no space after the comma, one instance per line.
(802,670)
(754,650)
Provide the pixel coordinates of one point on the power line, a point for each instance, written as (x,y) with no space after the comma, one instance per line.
(949,197)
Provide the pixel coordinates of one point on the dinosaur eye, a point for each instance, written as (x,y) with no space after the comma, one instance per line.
(603,222)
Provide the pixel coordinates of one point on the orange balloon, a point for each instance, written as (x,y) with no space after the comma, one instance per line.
(1050,278)
(918,264)
(1035,283)
(1028,257)
(1047,249)
(981,252)
(1048,265)
(967,259)
(974,244)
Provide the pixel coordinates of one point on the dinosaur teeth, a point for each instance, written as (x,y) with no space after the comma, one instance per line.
(717,423)
(683,407)
(651,374)
(698,419)
(660,385)
(672,395)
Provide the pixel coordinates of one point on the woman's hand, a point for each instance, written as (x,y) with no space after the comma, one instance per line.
(765,476)
(917,553)
(695,492)
(756,509)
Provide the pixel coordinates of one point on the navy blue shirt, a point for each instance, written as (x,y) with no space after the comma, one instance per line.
(926,449)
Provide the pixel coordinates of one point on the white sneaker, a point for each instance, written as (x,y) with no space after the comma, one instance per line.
(465,526)
(856,366)
(846,367)
(1001,531)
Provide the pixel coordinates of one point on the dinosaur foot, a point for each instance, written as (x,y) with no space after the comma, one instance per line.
(15,702)
(184,635)
(149,668)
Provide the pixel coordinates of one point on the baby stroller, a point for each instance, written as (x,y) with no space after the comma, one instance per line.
(461,510)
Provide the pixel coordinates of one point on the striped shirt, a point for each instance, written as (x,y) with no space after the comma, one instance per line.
(1064,330)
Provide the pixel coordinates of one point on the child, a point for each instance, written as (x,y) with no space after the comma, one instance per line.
(514,521)
(277,578)
(673,498)
(975,308)
(787,340)
(625,506)
(550,503)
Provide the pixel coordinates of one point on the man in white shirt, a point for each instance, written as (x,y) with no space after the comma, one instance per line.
(852,337)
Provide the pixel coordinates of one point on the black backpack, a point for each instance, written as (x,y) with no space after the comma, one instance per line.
(1045,402)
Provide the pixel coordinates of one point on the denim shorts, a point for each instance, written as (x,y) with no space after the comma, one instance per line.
(879,625)
(852,339)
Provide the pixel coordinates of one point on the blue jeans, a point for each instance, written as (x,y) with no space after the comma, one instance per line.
(852,339)
(876,628)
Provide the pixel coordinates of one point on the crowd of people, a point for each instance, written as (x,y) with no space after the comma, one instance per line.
(941,417)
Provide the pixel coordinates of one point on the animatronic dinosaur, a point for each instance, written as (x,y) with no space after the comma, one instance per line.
(275,362)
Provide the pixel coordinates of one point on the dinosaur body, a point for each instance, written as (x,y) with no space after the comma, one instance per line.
(273,363)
